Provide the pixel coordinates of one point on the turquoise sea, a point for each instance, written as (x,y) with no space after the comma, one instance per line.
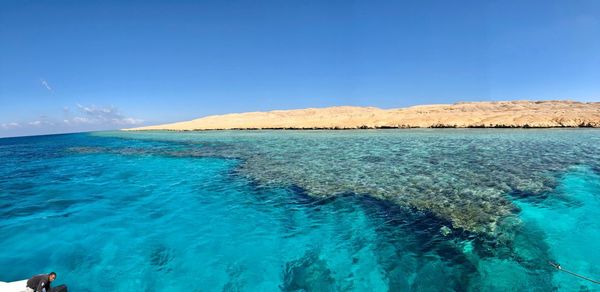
(360,210)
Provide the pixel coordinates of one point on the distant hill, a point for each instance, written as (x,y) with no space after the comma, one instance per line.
(500,114)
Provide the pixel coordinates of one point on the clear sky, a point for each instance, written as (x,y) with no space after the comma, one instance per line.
(87,65)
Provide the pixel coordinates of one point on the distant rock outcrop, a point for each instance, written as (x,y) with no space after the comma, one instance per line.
(500,114)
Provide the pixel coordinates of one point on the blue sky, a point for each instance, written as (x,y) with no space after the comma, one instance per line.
(88,65)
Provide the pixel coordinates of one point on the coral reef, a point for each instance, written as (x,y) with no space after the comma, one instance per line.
(460,175)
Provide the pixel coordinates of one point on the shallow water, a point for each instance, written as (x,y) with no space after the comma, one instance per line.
(400,210)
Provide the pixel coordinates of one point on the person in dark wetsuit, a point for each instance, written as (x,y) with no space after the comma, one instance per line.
(40,283)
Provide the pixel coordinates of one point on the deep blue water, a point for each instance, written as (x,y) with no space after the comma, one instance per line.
(263,211)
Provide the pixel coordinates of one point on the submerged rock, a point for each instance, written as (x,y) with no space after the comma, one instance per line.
(309,273)
(445,231)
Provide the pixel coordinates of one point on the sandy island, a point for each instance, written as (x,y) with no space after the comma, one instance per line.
(500,114)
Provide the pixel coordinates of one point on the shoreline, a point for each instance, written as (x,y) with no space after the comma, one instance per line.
(498,114)
(363,128)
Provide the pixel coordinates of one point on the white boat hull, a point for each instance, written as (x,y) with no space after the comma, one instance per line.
(18,286)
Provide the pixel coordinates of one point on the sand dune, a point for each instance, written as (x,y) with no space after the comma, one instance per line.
(462,115)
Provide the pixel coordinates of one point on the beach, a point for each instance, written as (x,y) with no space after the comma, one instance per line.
(502,114)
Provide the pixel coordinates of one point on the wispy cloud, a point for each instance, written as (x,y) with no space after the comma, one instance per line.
(44,121)
(103,115)
(10,125)
(78,118)
(46,84)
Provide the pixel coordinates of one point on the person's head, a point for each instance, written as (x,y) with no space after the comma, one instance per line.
(52,276)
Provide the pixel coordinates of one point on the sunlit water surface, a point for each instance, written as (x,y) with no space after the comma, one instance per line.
(399,210)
